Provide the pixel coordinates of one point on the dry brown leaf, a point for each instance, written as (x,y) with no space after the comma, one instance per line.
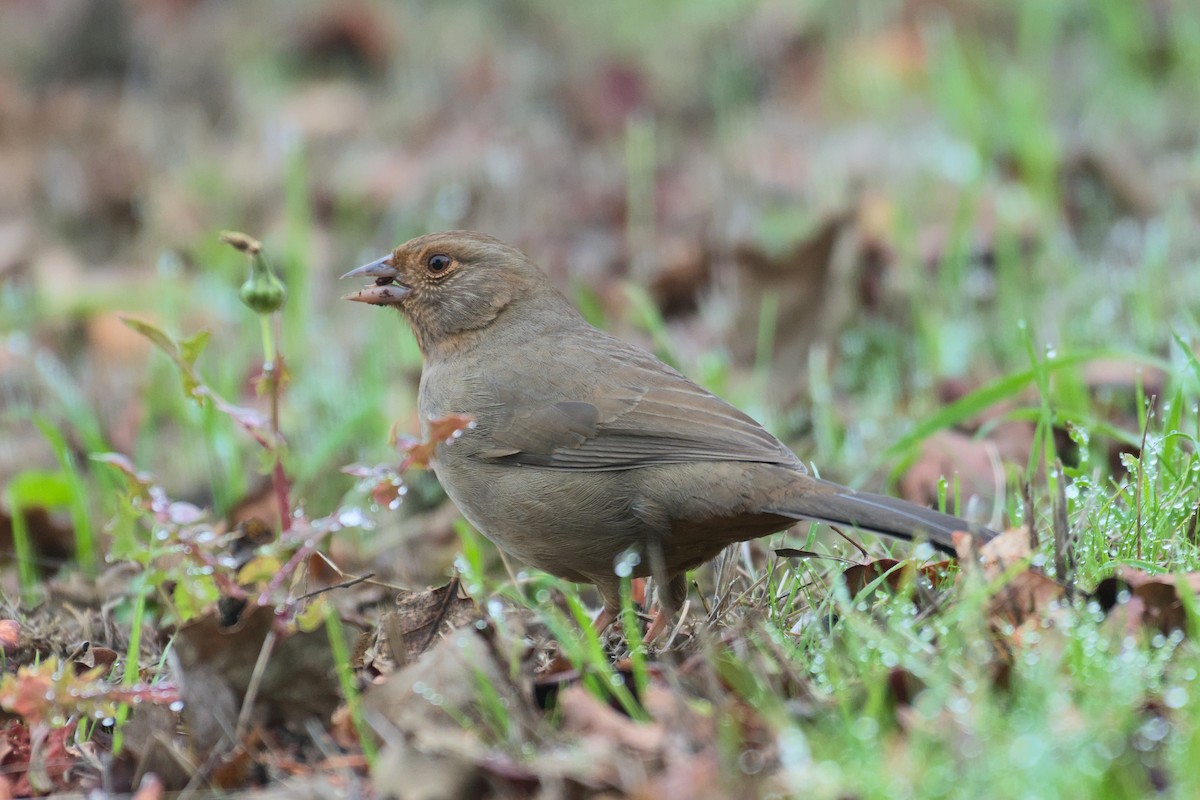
(260,508)
(10,636)
(432,694)
(153,747)
(813,284)
(682,272)
(1153,602)
(428,751)
(584,715)
(418,453)
(899,573)
(976,463)
(88,656)
(420,617)
(1008,549)
(697,776)
(1024,598)
(215,664)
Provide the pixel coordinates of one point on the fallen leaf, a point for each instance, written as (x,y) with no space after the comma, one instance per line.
(10,636)
(1026,595)
(682,272)
(1153,601)
(214,666)
(420,617)
(976,463)
(258,511)
(811,285)
(153,747)
(441,430)
(88,656)
(432,742)
(584,715)
(898,574)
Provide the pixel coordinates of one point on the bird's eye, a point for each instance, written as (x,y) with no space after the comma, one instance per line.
(438,262)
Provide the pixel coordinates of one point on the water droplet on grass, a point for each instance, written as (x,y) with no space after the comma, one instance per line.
(1175,697)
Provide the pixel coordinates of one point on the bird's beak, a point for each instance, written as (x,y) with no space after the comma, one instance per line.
(386,290)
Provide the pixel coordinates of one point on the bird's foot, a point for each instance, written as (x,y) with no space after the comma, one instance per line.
(658,624)
(605,618)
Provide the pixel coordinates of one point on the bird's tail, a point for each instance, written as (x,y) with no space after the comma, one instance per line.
(839,505)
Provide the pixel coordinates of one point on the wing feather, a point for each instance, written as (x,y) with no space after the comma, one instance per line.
(639,414)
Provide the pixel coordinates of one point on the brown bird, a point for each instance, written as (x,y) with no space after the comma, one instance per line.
(586,448)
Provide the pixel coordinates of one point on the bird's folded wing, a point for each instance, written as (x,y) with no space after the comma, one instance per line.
(641,414)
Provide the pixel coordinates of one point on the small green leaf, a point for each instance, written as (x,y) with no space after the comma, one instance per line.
(191,347)
(313,615)
(261,569)
(39,488)
(155,334)
(194,595)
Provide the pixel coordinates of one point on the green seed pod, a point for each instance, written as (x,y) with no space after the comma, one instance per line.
(263,292)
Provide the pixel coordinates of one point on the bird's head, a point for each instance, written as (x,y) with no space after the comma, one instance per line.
(450,284)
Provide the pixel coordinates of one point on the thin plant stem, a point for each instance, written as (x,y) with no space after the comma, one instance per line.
(271,374)
(130,676)
(268,340)
(345,674)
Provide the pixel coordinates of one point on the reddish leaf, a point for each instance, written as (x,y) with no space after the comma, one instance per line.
(441,430)
(10,636)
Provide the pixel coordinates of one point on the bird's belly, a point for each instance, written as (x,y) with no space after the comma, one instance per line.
(573,525)
(577,524)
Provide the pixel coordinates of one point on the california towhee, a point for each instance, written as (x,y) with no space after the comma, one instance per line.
(586,447)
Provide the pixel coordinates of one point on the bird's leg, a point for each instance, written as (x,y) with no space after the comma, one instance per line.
(658,624)
(610,594)
(637,591)
(605,618)
(670,597)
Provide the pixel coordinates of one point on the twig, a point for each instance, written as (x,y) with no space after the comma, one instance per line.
(288,569)
(342,585)
(260,669)
(855,544)
(369,578)
(1141,476)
